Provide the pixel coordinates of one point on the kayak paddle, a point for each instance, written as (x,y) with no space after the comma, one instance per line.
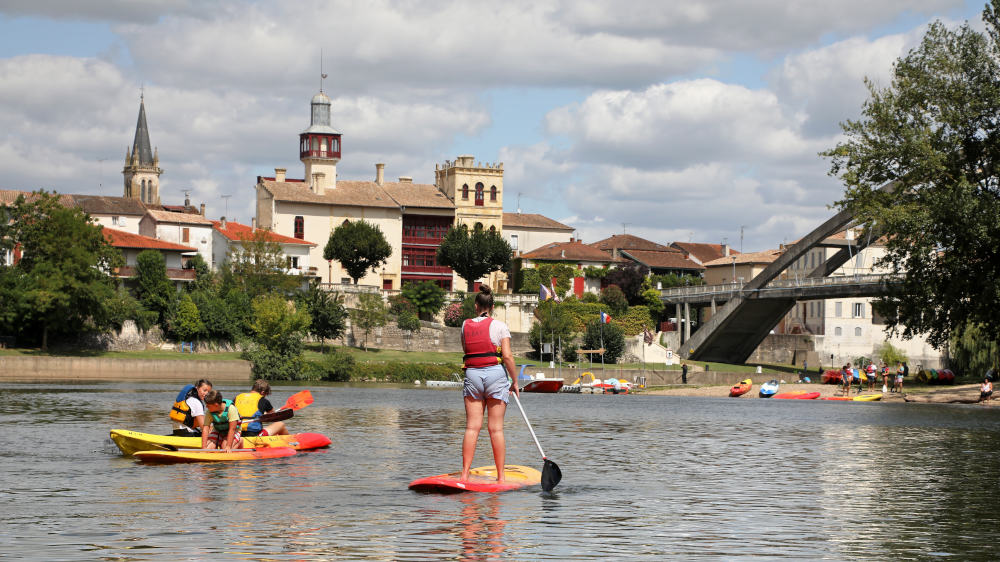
(298,400)
(551,475)
(278,415)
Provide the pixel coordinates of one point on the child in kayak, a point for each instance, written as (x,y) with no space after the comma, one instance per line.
(188,412)
(254,404)
(222,427)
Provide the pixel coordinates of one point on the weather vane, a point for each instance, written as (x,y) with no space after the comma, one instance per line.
(322,76)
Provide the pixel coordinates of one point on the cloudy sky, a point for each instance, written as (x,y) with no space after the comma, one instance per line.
(671,120)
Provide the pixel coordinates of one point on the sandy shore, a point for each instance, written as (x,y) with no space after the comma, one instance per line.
(967,393)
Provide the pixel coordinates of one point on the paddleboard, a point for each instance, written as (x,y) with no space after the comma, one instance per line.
(482,479)
(131,442)
(213,455)
(867,397)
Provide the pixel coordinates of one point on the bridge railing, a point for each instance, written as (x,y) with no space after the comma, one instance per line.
(729,289)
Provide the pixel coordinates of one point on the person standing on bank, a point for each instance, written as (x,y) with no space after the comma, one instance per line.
(487,362)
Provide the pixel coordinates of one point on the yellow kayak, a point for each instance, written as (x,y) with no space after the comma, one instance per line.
(131,442)
(867,397)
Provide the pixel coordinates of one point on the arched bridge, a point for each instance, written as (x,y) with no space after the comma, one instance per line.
(751,310)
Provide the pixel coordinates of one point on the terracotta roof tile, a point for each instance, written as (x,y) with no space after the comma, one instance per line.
(237,232)
(663,260)
(101,205)
(122,239)
(529,220)
(629,242)
(350,193)
(178,218)
(703,252)
(410,194)
(8,196)
(767,256)
(568,251)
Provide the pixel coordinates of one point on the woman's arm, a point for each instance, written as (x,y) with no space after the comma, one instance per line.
(230,435)
(204,435)
(508,362)
(199,422)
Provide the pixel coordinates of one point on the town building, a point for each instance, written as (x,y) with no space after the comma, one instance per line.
(228,237)
(142,164)
(737,267)
(659,259)
(131,245)
(179,228)
(575,254)
(529,231)
(703,253)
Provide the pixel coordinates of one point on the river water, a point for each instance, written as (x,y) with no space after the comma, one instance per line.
(644,477)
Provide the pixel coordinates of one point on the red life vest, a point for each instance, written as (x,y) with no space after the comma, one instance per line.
(479,350)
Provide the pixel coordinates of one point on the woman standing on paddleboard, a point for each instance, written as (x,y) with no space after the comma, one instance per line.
(487,362)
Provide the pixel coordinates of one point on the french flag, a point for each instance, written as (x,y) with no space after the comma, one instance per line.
(605,318)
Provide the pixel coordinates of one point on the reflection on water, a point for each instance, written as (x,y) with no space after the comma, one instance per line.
(644,477)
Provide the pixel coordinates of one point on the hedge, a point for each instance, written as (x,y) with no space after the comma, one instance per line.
(395,371)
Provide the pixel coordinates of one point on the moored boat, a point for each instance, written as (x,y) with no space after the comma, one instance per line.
(741,388)
(797,395)
(768,389)
(538,383)
(131,442)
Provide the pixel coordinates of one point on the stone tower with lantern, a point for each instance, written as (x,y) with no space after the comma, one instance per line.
(142,164)
(475,188)
(319,147)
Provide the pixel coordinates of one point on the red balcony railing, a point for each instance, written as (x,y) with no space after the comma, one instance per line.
(442,269)
(320,154)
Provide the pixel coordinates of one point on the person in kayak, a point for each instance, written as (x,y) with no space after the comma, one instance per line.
(488,362)
(222,427)
(188,411)
(254,404)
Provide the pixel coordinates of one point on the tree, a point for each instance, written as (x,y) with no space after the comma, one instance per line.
(629,279)
(203,276)
(63,280)
(258,266)
(890,354)
(934,132)
(359,246)
(554,325)
(614,299)
(473,254)
(426,297)
(152,287)
(277,328)
(371,313)
(973,353)
(329,318)
(651,298)
(611,335)
(187,324)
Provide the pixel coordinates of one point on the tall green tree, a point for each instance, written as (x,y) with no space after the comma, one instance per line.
(473,254)
(277,328)
(359,246)
(370,313)
(258,266)
(329,317)
(152,286)
(62,283)
(426,297)
(935,132)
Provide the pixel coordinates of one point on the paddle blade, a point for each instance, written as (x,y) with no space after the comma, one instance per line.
(551,475)
(279,415)
(298,400)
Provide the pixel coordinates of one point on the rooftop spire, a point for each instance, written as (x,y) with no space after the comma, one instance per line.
(141,149)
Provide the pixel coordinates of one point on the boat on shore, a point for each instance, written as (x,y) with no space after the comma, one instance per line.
(538,383)
(741,388)
(768,389)
(797,395)
(131,442)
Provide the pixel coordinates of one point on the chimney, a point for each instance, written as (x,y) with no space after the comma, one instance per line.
(253,224)
(222,223)
(379,173)
(279,174)
(202,209)
(725,250)
(405,179)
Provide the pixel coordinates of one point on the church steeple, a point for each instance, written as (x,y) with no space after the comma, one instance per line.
(142,164)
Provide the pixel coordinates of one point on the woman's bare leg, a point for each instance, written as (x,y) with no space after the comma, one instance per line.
(494,424)
(473,423)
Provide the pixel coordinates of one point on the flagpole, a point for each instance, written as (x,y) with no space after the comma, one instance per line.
(601,322)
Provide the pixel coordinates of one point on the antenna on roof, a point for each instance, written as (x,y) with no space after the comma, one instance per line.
(322,76)
(624,224)
(226,199)
(741,237)
(519,202)
(100,174)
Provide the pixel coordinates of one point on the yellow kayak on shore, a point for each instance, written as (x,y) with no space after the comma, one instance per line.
(131,442)
(867,397)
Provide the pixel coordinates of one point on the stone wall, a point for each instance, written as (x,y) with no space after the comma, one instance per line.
(431,337)
(42,369)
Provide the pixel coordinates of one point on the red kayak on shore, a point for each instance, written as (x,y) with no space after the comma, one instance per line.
(844,398)
(797,395)
(741,388)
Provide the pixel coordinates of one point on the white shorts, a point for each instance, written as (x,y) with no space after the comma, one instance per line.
(487,382)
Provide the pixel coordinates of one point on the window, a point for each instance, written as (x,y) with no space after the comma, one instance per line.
(315,143)
(479,195)
(387,284)
(838,331)
(185,235)
(143,192)
(859,310)
(493,193)
(513,241)
(857,331)
(479,226)
(300,228)
(293,262)
(839,308)
(114,221)
(465,192)
(345,280)
(493,228)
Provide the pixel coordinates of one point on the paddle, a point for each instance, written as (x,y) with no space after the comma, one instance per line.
(278,415)
(551,475)
(298,400)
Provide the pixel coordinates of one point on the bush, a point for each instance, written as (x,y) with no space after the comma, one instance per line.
(408,320)
(569,349)
(590,298)
(267,364)
(426,297)
(613,297)
(405,372)
(453,315)
(336,366)
(399,304)
(634,320)
(613,337)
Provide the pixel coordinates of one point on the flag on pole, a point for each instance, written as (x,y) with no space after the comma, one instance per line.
(605,317)
(544,294)
(555,294)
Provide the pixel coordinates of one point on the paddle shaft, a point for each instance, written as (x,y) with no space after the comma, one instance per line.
(528,423)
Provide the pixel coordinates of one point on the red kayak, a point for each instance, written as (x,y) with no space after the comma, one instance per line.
(797,395)
(741,388)
(837,398)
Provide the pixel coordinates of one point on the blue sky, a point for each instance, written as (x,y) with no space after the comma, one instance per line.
(683,120)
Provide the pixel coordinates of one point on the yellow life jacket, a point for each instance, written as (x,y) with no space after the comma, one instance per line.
(180,412)
(247,404)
